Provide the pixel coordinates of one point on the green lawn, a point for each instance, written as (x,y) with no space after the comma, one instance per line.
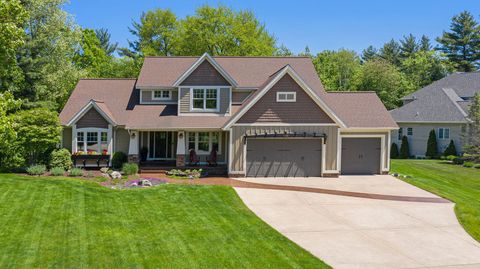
(70,223)
(456,183)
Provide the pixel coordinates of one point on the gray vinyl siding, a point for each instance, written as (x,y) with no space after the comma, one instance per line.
(239,97)
(122,140)
(238,153)
(421,131)
(303,110)
(205,75)
(386,158)
(92,119)
(67,138)
(147,97)
(224,100)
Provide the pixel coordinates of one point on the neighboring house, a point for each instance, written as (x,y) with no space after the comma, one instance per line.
(441,106)
(265,116)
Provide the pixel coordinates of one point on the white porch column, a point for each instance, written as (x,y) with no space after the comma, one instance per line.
(181,148)
(133,147)
(74,138)
(110,140)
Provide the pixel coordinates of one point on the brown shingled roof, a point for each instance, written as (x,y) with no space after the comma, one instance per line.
(113,94)
(118,98)
(248,72)
(360,109)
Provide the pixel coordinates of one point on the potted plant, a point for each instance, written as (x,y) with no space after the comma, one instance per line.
(143,154)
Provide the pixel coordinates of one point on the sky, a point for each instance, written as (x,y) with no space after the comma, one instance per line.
(320,25)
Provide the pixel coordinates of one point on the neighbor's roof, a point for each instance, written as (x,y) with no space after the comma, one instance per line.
(119,98)
(446,100)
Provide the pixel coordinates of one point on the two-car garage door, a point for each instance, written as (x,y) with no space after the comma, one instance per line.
(289,157)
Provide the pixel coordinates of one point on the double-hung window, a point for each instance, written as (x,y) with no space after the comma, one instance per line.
(92,140)
(409,131)
(204,142)
(162,95)
(205,99)
(400,133)
(443,133)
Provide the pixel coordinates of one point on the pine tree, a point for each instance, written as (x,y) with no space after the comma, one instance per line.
(473,134)
(404,148)
(432,147)
(369,53)
(391,52)
(462,43)
(450,150)
(394,151)
(408,46)
(425,44)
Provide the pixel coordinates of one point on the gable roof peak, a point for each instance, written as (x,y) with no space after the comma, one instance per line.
(215,64)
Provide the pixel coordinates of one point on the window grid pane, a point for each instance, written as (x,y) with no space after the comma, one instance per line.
(166,94)
(215,140)
(203,141)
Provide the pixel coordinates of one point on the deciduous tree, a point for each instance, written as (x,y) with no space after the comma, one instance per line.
(337,68)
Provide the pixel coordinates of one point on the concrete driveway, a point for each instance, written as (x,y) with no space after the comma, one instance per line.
(351,232)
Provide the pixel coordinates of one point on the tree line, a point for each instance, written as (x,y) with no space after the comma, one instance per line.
(43,53)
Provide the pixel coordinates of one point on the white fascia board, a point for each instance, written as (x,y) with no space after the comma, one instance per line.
(214,63)
(286,70)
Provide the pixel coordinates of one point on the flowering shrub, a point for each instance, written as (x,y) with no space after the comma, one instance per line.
(194,173)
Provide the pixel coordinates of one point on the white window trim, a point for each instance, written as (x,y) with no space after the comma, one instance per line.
(162,98)
(443,133)
(217,109)
(201,152)
(410,133)
(287,100)
(99,132)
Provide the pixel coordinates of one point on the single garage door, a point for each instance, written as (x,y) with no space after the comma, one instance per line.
(284,157)
(361,155)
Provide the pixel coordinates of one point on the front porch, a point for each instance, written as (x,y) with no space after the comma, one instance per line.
(161,150)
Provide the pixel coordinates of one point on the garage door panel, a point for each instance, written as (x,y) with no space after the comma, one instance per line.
(361,155)
(283,157)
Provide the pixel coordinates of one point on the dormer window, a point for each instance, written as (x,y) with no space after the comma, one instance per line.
(162,95)
(286,96)
(205,99)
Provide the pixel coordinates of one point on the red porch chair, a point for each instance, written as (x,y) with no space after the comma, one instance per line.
(212,158)
(193,158)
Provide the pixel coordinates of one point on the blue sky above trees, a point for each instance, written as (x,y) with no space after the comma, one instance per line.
(319,24)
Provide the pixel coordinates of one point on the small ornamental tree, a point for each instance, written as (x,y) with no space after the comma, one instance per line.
(450,150)
(394,151)
(432,147)
(404,148)
(38,133)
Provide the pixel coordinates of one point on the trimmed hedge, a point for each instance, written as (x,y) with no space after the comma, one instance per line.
(118,159)
(61,158)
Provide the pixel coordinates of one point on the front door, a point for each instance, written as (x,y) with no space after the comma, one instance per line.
(160,146)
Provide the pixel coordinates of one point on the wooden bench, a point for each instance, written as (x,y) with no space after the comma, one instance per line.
(99,159)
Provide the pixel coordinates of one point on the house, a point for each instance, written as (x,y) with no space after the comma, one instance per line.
(265,117)
(441,106)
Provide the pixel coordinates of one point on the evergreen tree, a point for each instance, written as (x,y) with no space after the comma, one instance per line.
(391,52)
(425,44)
(462,44)
(450,150)
(404,148)
(369,53)
(104,37)
(473,134)
(432,147)
(283,51)
(394,151)
(408,46)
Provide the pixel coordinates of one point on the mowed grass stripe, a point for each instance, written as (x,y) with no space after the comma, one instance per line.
(454,182)
(69,223)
